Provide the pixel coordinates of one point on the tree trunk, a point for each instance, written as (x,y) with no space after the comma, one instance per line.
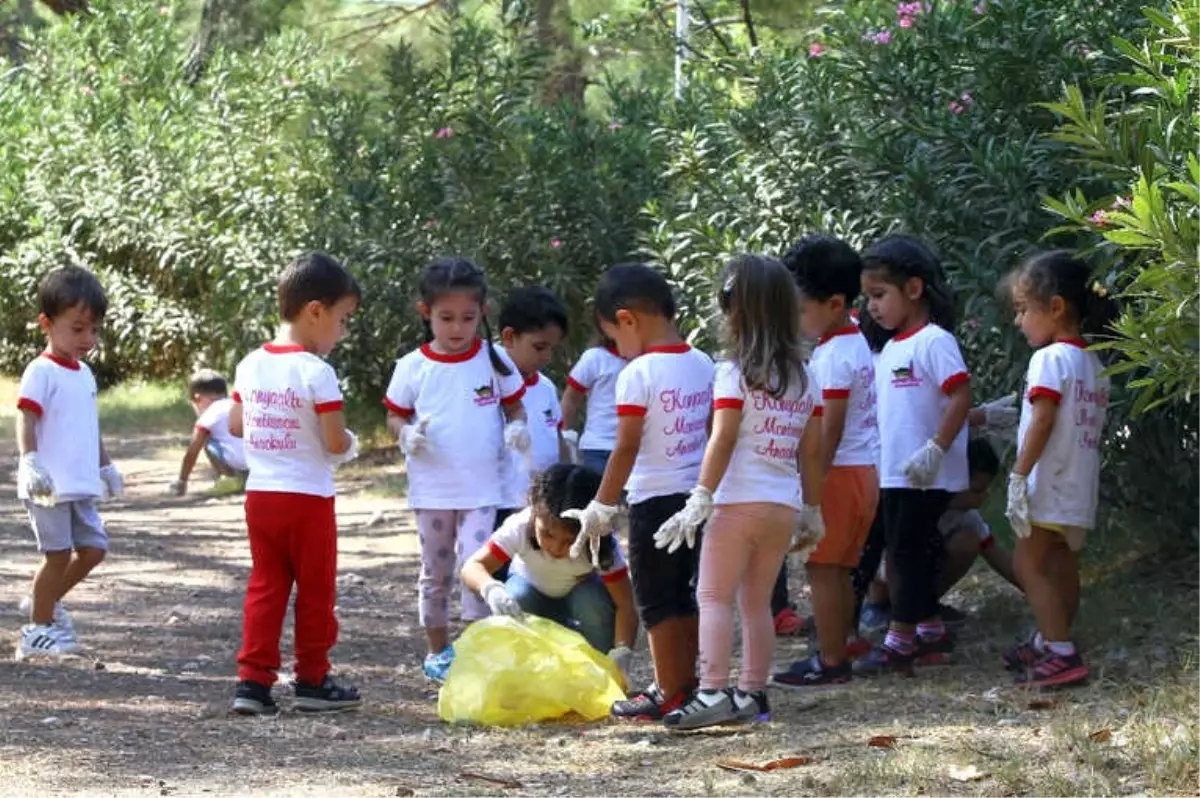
(566,80)
(202,44)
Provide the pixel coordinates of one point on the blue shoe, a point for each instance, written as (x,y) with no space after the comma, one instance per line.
(873,619)
(438,665)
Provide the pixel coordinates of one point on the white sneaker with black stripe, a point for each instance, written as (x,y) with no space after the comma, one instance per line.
(39,640)
(62,618)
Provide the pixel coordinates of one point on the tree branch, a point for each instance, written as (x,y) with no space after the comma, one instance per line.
(749,23)
(710,25)
(686,44)
(398,15)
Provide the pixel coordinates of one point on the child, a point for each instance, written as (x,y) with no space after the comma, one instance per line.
(923,395)
(594,377)
(533,323)
(1052,492)
(64,467)
(663,403)
(828,272)
(765,438)
(545,580)
(454,405)
(288,411)
(211,433)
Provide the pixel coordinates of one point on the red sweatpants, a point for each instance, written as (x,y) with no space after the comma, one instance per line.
(293,539)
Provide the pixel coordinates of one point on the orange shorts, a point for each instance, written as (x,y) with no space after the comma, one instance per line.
(849,501)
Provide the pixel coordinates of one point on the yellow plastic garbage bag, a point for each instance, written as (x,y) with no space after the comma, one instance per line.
(512,673)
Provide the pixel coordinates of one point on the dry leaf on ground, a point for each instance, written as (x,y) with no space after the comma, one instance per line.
(774,764)
(882,741)
(1043,703)
(505,783)
(1101,736)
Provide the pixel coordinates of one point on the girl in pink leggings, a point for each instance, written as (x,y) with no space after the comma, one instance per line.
(764,438)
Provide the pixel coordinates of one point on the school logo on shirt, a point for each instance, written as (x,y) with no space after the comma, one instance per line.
(548,414)
(905,376)
(486,394)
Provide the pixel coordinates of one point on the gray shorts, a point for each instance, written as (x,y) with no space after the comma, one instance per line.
(67,525)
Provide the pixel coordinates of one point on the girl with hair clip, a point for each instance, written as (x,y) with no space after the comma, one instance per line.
(442,408)
(765,444)
(923,395)
(1054,485)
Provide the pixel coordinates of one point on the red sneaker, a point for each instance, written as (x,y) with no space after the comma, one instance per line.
(1054,670)
(788,623)
(857,647)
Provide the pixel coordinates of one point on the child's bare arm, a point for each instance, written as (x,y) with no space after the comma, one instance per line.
(200,438)
(572,399)
(396,422)
(812,469)
(955,415)
(1041,424)
(27,431)
(514,411)
(833,426)
(621,592)
(717,454)
(478,570)
(235,420)
(333,432)
(620,463)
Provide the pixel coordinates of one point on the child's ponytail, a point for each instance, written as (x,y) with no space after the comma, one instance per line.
(497,362)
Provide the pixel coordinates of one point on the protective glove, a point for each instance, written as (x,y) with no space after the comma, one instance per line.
(516,436)
(922,468)
(34,480)
(1001,415)
(571,439)
(501,601)
(412,438)
(177,487)
(595,521)
(622,657)
(1017,510)
(114,485)
(681,527)
(349,454)
(808,532)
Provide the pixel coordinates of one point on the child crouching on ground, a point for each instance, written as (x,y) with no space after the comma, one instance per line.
(210,400)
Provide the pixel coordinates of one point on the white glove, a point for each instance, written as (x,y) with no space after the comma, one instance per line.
(1001,415)
(114,486)
(177,487)
(34,480)
(622,657)
(922,468)
(571,439)
(595,521)
(349,454)
(1017,511)
(516,436)
(412,437)
(808,532)
(681,527)
(500,600)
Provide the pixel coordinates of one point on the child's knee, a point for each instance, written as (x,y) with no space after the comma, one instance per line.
(56,560)
(90,557)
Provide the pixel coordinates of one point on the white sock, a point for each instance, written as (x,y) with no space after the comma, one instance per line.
(1038,643)
(1063,649)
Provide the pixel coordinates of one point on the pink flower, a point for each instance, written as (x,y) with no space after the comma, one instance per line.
(556,243)
(955,107)
(615,125)
(981,8)
(906,22)
(883,37)
(1099,218)
(431,224)
(444,133)
(815,50)
(1121,203)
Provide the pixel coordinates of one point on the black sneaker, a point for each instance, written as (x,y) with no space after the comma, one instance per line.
(648,705)
(884,660)
(328,696)
(934,652)
(751,707)
(951,616)
(252,698)
(812,672)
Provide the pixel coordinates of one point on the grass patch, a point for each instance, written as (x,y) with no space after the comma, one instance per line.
(145,407)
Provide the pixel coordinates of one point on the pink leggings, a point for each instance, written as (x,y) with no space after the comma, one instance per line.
(448,539)
(743,549)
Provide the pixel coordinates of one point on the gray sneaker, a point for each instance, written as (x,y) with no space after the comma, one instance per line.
(703,708)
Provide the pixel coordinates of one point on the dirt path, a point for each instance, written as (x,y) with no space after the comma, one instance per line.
(145,713)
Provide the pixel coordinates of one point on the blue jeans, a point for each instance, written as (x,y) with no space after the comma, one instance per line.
(595,459)
(588,609)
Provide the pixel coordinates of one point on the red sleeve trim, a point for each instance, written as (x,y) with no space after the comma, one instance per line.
(25,403)
(987,543)
(1042,392)
(614,576)
(516,397)
(631,410)
(955,380)
(328,407)
(835,393)
(576,384)
(237,397)
(728,403)
(202,428)
(497,552)
(392,407)
(818,411)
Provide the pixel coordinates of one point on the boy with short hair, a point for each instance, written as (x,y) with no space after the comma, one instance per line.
(288,411)
(64,468)
(210,400)
(664,399)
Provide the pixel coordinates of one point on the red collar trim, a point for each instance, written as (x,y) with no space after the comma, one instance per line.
(612,350)
(669,349)
(532,380)
(461,357)
(849,330)
(73,365)
(910,333)
(1079,342)
(282,349)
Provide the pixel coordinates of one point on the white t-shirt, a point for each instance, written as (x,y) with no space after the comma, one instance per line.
(62,394)
(1064,484)
(843,367)
(672,388)
(954,521)
(913,378)
(763,467)
(553,577)
(462,468)
(283,391)
(215,421)
(544,419)
(595,374)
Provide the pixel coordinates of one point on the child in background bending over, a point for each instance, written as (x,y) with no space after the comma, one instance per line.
(765,443)
(923,395)
(210,400)
(1053,488)
(594,379)
(288,411)
(454,405)
(64,468)
(663,402)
